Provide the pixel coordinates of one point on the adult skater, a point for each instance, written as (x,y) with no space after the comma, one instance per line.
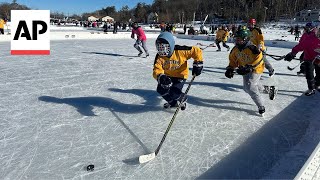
(247,60)
(171,68)
(309,42)
(141,39)
(257,39)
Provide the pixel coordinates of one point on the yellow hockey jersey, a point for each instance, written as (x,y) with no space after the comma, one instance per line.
(222,35)
(177,64)
(256,37)
(250,55)
(2,23)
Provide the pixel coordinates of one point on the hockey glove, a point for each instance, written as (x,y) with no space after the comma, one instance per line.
(197,68)
(164,81)
(229,73)
(289,57)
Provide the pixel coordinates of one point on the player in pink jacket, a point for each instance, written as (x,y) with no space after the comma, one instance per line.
(309,43)
(141,39)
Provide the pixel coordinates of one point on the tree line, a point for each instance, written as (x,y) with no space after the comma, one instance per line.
(184,11)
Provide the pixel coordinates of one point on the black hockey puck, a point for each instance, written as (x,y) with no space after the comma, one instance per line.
(90,167)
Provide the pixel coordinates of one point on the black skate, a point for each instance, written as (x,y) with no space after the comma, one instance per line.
(183,103)
(140,53)
(273,92)
(271,73)
(168,105)
(262,110)
(266,89)
(301,73)
(310,92)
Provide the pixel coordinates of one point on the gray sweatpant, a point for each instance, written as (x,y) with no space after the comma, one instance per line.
(140,44)
(252,86)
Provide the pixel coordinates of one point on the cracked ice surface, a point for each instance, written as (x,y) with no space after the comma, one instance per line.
(94,102)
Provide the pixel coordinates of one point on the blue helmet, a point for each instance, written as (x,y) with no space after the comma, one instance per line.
(309,27)
(165,44)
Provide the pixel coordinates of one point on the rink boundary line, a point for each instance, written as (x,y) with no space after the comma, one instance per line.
(311,166)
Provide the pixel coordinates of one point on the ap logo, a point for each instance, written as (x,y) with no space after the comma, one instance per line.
(30,32)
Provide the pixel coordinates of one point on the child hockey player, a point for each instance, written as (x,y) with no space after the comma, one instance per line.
(141,39)
(257,39)
(171,68)
(247,60)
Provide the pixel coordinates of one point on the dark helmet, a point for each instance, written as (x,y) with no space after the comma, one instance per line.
(309,27)
(242,37)
(165,44)
(242,33)
(134,25)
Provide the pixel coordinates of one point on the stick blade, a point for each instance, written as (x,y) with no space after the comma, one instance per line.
(289,68)
(147,157)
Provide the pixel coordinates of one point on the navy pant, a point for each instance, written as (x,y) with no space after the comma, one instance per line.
(311,79)
(172,94)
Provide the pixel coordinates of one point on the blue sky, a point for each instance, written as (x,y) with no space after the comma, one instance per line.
(77,6)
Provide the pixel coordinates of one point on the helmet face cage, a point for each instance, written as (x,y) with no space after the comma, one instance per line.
(163,49)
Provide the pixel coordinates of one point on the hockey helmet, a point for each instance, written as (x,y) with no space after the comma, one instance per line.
(252,21)
(165,44)
(309,27)
(242,37)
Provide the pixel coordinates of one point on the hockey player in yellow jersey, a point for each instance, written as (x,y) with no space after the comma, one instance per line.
(257,39)
(247,60)
(171,68)
(222,36)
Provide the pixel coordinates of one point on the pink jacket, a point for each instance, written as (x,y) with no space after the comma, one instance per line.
(140,34)
(308,43)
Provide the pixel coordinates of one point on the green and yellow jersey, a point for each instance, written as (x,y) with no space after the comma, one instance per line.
(249,55)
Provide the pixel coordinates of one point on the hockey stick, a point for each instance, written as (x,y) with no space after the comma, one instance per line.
(292,68)
(210,45)
(148,157)
(275,57)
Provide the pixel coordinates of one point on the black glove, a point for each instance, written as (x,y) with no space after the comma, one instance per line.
(229,73)
(164,81)
(289,57)
(197,68)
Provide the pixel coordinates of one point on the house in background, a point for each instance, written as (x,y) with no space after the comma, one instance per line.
(107,19)
(92,18)
(308,15)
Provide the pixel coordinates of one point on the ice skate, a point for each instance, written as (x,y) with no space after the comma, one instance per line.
(273,92)
(169,105)
(218,50)
(271,73)
(310,92)
(262,110)
(266,89)
(183,103)
(140,53)
(301,73)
